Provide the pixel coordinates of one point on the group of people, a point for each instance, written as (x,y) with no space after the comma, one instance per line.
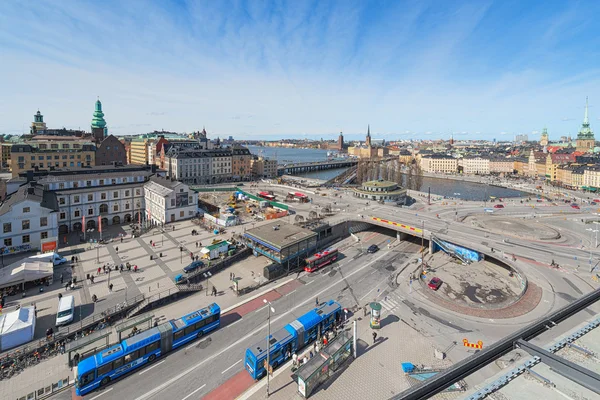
(107,268)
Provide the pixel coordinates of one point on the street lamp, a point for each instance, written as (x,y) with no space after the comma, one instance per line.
(456,207)
(267,367)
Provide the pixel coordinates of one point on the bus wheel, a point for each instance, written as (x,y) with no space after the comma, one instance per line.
(152,358)
(104,381)
(199,335)
(275,364)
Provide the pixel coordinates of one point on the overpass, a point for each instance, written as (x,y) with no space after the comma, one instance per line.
(297,168)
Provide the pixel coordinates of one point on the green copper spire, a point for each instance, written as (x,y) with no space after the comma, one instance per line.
(98,120)
(585,132)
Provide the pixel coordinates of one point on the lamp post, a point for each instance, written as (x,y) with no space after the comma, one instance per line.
(456,207)
(267,367)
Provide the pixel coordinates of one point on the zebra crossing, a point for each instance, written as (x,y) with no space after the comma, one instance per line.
(390,302)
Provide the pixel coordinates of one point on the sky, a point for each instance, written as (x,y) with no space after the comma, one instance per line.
(303,69)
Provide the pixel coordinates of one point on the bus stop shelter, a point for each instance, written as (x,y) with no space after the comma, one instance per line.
(324,364)
(133,322)
(85,343)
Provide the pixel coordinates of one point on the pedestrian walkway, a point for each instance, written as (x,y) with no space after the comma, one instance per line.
(375,374)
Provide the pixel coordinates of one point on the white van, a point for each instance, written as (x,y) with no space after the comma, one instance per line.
(66,309)
(55,258)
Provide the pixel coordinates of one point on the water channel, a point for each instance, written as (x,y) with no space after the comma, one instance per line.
(439,186)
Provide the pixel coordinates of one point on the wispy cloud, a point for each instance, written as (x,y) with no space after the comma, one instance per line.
(257,68)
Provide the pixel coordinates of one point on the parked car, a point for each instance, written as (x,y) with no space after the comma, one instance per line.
(498,206)
(373,249)
(593,203)
(193,266)
(575,206)
(435,283)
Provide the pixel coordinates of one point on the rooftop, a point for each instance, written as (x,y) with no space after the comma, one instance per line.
(380,183)
(279,234)
(32,193)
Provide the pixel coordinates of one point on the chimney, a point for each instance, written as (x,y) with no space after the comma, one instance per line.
(29,175)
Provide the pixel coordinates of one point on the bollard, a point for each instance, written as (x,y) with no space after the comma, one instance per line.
(150,257)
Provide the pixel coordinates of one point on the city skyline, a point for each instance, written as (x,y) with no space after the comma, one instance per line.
(299,70)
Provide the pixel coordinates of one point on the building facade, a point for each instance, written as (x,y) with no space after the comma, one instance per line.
(263,168)
(241,163)
(502,166)
(52,152)
(439,163)
(111,151)
(585,138)
(169,201)
(475,165)
(28,219)
(381,190)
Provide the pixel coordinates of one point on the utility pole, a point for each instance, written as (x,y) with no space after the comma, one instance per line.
(423,244)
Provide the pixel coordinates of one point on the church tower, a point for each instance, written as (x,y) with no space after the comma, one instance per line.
(340,143)
(99,129)
(585,137)
(368,139)
(544,138)
(38,125)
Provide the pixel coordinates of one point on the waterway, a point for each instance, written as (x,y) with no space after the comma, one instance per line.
(441,187)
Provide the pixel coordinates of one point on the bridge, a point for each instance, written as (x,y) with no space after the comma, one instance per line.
(292,169)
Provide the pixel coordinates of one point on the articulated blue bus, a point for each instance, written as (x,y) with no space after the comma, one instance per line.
(291,338)
(106,365)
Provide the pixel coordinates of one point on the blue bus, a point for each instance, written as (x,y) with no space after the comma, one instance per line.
(291,338)
(108,364)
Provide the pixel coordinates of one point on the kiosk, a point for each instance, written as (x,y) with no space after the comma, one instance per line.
(375,315)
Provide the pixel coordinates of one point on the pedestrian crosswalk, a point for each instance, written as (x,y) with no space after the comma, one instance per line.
(390,302)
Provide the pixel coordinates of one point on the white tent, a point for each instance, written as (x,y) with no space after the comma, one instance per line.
(17,327)
(25,271)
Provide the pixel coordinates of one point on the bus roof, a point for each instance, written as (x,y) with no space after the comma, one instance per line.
(283,335)
(141,339)
(193,317)
(313,317)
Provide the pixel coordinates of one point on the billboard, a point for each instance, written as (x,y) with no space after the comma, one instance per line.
(181,199)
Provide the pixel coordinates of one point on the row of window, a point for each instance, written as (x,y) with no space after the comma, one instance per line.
(101,182)
(200,324)
(103,196)
(25,224)
(103,210)
(24,239)
(55,157)
(43,146)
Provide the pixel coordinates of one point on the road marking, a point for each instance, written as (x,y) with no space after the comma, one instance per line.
(308,283)
(154,366)
(234,364)
(233,323)
(191,394)
(106,391)
(290,292)
(262,308)
(369,292)
(249,335)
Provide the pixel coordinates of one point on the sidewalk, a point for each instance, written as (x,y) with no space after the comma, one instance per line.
(56,369)
(375,374)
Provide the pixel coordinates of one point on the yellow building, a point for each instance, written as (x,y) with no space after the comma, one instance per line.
(564,175)
(47,153)
(5,158)
(138,151)
(439,163)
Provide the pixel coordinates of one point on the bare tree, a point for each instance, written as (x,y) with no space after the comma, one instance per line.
(409,178)
(417,176)
(312,215)
(298,219)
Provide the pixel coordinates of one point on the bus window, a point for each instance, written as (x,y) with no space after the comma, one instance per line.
(103,370)
(142,352)
(131,356)
(178,335)
(87,378)
(189,330)
(151,347)
(200,324)
(276,355)
(118,363)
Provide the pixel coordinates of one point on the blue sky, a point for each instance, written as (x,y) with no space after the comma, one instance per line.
(271,69)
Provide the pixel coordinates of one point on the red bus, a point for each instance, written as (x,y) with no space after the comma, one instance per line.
(302,198)
(266,196)
(320,259)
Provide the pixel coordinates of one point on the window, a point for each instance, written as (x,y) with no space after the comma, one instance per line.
(115,195)
(65,146)
(77,213)
(131,356)
(25,238)
(75,184)
(90,197)
(8,242)
(189,330)
(64,157)
(26,209)
(44,221)
(127,193)
(200,324)
(61,201)
(102,181)
(25,224)
(62,215)
(178,335)
(105,369)
(103,196)
(89,377)
(172,202)
(127,206)
(44,235)
(116,208)
(7,227)
(91,211)
(181,214)
(152,347)
(113,181)
(76,199)
(118,363)
(137,192)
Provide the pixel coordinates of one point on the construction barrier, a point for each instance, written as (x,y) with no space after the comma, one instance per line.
(478,345)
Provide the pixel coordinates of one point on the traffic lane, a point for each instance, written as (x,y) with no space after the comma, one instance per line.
(197,374)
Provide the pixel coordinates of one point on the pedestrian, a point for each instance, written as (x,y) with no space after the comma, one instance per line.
(67,286)
(98,271)
(317,302)
(135,268)
(196,244)
(94,298)
(117,249)
(110,287)
(121,239)
(128,267)
(151,243)
(103,268)
(173,228)
(295,359)
(311,354)
(72,286)
(214,291)
(374,337)
(233,276)
(121,268)
(62,279)
(92,278)
(230,276)
(197,257)
(59,296)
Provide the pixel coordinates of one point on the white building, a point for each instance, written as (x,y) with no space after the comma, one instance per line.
(475,165)
(439,163)
(29,220)
(169,201)
(111,195)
